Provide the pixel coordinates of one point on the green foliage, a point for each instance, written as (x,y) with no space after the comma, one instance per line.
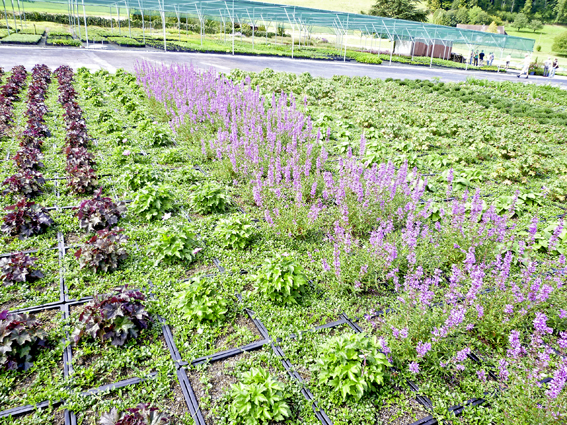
(560,44)
(176,244)
(159,137)
(399,9)
(153,201)
(521,21)
(235,232)
(208,198)
(136,176)
(20,337)
(22,39)
(352,365)
(126,41)
(198,300)
(536,25)
(63,42)
(281,279)
(258,399)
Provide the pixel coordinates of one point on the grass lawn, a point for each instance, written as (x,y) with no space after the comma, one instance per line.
(543,38)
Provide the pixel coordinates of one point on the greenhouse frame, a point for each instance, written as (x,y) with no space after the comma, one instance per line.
(302,21)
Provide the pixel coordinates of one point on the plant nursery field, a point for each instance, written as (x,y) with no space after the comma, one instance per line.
(187,247)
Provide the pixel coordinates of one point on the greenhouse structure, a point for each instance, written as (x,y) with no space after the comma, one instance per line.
(303,22)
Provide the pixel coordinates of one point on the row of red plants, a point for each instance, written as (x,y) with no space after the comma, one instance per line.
(9,94)
(24,218)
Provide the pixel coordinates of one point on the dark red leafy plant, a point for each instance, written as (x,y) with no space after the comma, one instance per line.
(142,414)
(28,183)
(103,251)
(21,337)
(81,179)
(99,212)
(19,268)
(25,219)
(28,158)
(113,317)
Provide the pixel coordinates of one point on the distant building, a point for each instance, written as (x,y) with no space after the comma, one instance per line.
(483,28)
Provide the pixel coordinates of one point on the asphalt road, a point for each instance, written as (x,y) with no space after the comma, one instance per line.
(113,59)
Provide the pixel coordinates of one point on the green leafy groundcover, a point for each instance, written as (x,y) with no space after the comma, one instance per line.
(125,41)
(63,42)
(300,242)
(22,39)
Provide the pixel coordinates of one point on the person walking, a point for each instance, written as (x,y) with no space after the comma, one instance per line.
(491,59)
(547,67)
(481,57)
(508,60)
(526,68)
(471,58)
(554,67)
(476,58)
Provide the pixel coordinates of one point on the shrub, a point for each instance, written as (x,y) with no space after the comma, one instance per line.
(199,301)
(28,183)
(25,219)
(139,415)
(103,251)
(281,279)
(235,232)
(176,244)
(21,337)
(560,43)
(99,212)
(81,179)
(209,198)
(351,365)
(153,201)
(113,317)
(158,137)
(259,398)
(19,268)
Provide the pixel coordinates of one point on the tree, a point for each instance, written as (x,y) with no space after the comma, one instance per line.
(561,10)
(527,9)
(560,43)
(521,21)
(493,28)
(463,15)
(477,16)
(400,9)
(536,25)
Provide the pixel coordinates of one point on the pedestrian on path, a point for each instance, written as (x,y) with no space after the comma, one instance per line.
(491,59)
(471,58)
(554,68)
(526,68)
(481,57)
(508,60)
(476,58)
(547,67)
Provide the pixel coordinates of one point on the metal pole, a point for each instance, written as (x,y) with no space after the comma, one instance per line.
(232,27)
(118,19)
(78,21)
(253,28)
(128,12)
(24,12)
(163,25)
(86,28)
(111,24)
(391,51)
(432,51)
(6,17)
(143,23)
(14,16)
(20,13)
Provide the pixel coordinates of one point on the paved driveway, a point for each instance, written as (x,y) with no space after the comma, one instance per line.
(113,59)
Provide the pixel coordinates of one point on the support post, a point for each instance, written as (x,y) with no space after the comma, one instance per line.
(128,13)
(86,27)
(143,23)
(118,19)
(163,25)
(14,16)
(20,13)
(432,51)
(111,25)
(392,50)
(6,17)
(78,21)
